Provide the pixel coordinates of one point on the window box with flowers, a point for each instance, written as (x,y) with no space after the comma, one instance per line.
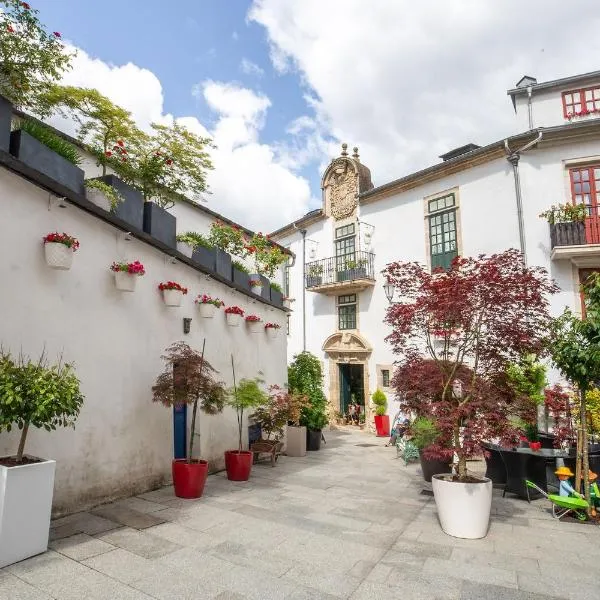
(126,274)
(234,315)
(256,284)
(254,323)
(208,305)
(567,224)
(59,249)
(272,329)
(172,293)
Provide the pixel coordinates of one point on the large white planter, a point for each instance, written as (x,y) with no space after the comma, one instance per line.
(463,508)
(172,297)
(98,198)
(296,441)
(185,249)
(272,332)
(58,256)
(25,506)
(233,320)
(255,326)
(207,311)
(125,281)
(256,289)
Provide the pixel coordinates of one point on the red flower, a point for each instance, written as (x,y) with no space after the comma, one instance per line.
(169,161)
(234,310)
(25,5)
(172,285)
(253,318)
(10,29)
(56,34)
(120,142)
(108,153)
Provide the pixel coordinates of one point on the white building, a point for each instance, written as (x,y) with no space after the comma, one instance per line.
(476,200)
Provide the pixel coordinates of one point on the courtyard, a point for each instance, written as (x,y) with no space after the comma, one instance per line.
(350,521)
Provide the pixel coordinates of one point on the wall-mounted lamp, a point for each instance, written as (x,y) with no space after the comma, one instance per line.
(389,289)
(59,201)
(170,260)
(126,236)
(187,322)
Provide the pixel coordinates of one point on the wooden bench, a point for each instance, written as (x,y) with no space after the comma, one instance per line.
(270,447)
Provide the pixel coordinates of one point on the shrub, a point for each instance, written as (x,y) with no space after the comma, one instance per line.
(51,140)
(423,432)
(114,197)
(196,240)
(305,377)
(380,401)
(275,286)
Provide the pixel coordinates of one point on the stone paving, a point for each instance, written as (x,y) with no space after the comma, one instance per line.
(349,521)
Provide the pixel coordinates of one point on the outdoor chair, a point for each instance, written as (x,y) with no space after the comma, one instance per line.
(494,465)
(407,450)
(521,467)
(270,447)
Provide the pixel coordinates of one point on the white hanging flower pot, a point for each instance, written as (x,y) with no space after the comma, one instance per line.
(58,256)
(99,198)
(272,332)
(255,326)
(233,320)
(125,282)
(207,311)
(257,288)
(172,297)
(185,249)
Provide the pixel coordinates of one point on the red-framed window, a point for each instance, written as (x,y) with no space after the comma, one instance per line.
(585,188)
(578,103)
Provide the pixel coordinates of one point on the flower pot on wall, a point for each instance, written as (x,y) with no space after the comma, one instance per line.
(254,326)
(58,256)
(205,257)
(160,224)
(125,282)
(45,161)
(433,467)
(98,197)
(185,249)
(382,425)
(6,110)
(206,310)
(172,297)
(223,264)
(272,332)
(131,209)
(463,508)
(296,441)
(313,439)
(25,506)
(189,478)
(238,464)
(233,320)
(240,278)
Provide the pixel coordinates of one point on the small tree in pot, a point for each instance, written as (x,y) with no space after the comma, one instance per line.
(188,378)
(32,393)
(382,420)
(484,314)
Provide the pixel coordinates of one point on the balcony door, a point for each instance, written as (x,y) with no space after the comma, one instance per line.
(585,189)
(345,246)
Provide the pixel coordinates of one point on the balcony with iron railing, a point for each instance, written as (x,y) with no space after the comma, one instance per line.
(576,236)
(340,274)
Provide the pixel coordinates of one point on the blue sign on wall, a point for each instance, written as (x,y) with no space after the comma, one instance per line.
(179,431)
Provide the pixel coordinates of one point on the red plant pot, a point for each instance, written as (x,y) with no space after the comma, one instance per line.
(535,446)
(238,464)
(189,478)
(382,425)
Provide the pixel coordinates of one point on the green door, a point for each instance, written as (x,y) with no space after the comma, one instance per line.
(344,388)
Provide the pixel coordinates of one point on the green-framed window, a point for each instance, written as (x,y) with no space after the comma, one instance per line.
(385,378)
(345,245)
(443,245)
(347,311)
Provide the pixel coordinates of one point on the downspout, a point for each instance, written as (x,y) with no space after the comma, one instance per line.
(303,232)
(529,107)
(513,158)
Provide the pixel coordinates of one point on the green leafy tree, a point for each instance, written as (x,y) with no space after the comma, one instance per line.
(245,396)
(305,377)
(31,59)
(527,378)
(424,432)
(380,401)
(37,394)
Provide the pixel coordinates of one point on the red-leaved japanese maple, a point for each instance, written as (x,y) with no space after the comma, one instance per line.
(455,333)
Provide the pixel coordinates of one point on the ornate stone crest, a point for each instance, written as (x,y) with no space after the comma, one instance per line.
(343,194)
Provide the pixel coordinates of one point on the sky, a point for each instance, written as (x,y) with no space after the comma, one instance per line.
(280,84)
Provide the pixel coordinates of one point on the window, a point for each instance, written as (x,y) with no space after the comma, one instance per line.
(345,245)
(385,378)
(442,231)
(585,188)
(581,102)
(347,311)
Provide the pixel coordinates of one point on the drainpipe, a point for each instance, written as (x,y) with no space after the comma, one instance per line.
(529,107)
(303,232)
(513,158)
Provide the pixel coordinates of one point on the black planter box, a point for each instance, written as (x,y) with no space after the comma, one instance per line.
(313,439)
(223,264)
(276,297)
(5,121)
(39,157)
(313,281)
(131,210)
(240,278)
(160,224)
(352,274)
(266,288)
(567,234)
(205,257)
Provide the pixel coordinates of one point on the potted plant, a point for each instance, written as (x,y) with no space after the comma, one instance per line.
(103,195)
(533,436)
(382,420)
(352,269)
(362,420)
(272,329)
(423,434)
(461,384)
(272,417)
(207,305)
(567,224)
(126,274)
(188,378)
(256,285)
(240,274)
(254,323)
(228,240)
(268,257)
(296,433)
(314,274)
(276,293)
(233,315)
(245,396)
(32,394)
(172,293)
(59,249)
(185,244)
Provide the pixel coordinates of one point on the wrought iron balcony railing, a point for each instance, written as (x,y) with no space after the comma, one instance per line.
(340,269)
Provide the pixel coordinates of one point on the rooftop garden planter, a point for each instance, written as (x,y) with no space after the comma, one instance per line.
(207,257)
(234,315)
(266,288)
(6,110)
(160,224)
(102,195)
(254,324)
(42,159)
(276,294)
(59,249)
(223,264)
(239,274)
(272,329)
(172,292)
(256,284)
(126,274)
(184,247)
(207,305)
(131,209)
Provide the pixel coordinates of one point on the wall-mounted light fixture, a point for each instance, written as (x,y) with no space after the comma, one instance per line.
(187,323)
(58,201)
(389,289)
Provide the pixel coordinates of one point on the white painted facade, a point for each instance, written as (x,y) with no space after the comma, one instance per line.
(484,187)
(123,442)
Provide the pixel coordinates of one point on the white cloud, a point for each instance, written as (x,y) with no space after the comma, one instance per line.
(407,81)
(250,68)
(249,184)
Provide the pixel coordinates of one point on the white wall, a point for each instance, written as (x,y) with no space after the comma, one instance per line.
(122,442)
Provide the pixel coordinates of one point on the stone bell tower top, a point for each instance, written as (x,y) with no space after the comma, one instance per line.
(344,179)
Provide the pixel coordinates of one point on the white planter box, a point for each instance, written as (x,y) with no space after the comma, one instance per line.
(255,326)
(287,304)
(25,507)
(272,332)
(185,248)
(256,289)
(125,281)
(58,256)
(172,297)
(98,198)
(233,320)
(207,311)
(463,508)
(296,441)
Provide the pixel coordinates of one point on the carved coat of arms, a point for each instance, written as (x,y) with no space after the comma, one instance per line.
(343,194)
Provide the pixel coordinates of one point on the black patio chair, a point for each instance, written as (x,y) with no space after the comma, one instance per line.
(494,465)
(521,466)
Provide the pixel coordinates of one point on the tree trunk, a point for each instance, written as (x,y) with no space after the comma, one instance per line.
(462,460)
(585,463)
(578,461)
(22,442)
(193,432)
